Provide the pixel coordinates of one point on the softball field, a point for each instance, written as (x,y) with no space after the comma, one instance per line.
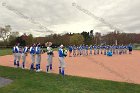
(122,68)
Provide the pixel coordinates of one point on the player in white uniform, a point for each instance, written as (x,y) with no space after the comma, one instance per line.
(14,54)
(17,54)
(24,54)
(32,53)
(38,57)
(62,54)
(50,56)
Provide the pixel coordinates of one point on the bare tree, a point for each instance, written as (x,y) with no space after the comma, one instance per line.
(5,33)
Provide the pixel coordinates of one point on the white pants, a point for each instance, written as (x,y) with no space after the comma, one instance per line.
(14,54)
(62,62)
(38,58)
(23,57)
(17,56)
(33,58)
(49,59)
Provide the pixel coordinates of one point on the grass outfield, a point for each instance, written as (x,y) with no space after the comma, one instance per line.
(8,51)
(137,49)
(25,81)
(5,51)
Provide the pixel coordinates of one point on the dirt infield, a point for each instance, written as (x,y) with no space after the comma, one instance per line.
(124,68)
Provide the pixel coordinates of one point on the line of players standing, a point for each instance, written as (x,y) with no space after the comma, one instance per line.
(35,54)
(84,50)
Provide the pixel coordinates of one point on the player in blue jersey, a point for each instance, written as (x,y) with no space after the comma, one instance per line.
(74,50)
(70,51)
(104,49)
(101,49)
(78,50)
(62,54)
(130,48)
(90,50)
(17,54)
(86,50)
(32,53)
(95,50)
(14,54)
(38,52)
(116,51)
(24,54)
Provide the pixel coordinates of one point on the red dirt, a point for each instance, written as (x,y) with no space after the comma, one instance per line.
(124,68)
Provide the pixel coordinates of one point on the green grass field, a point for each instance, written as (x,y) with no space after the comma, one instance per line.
(25,81)
(138,48)
(5,51)
(8,51)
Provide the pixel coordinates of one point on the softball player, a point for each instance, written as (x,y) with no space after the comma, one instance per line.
(86,50)
(125,49)
(70,51)
(114,47)
(104,47)
(14,54)
(120,49)
(50,56)
(95,50)
(32,53)
(83,50)
(80,50)
(90,53)
(109,53)
(77,50)
(24,54)
(74,50)
(101,49)
(98,49)
(17,54)
(62,53)
(107,48)
(130,48)
(38,57)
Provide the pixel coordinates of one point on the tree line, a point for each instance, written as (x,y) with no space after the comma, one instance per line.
(9,38)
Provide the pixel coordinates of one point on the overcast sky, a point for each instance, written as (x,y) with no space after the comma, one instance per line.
(60,16)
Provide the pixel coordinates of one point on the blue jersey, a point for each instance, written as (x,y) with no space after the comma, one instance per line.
(117,47)
(114,47)
(38,50)
(104,47)
(70,48)
(107,47)
(74,47)
(86,47)
(123,47)
(83,47)
(90,47)
(98,47)
(130,47)
(95,47)
(60,52)
(120,47)
(32,50)
(78,48)
(101,47)
(126,47)
(16,49)
(25,50)
(13,50)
